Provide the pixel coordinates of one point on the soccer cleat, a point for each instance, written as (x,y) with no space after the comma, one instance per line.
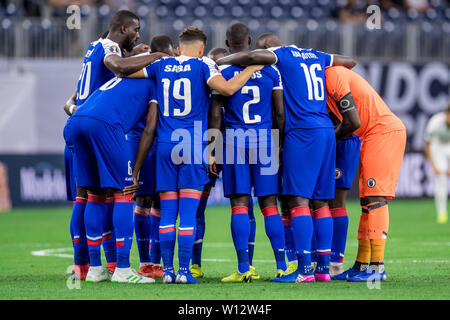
(336,268)
(367,276)
(157,271)
(129,275)
(169,277)
(238,277)
(196,271)
(442,218)
(288,278)
(322,277)
(346,274)
(97,274)
(146,270)
(303,278)
(185,277)
(255,276)
(79,272)
(291,267)
(281,273)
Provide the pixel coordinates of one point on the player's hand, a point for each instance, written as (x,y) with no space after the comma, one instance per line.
(140,48)
(132,189)
(212,166)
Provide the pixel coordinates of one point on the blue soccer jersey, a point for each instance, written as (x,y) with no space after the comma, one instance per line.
(303,75)
(94,73)
(120,102)
(183,95)
(251,106)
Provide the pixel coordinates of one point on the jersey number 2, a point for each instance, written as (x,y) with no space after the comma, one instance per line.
(246,106)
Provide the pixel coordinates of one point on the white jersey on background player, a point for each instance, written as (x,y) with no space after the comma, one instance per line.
(437,150)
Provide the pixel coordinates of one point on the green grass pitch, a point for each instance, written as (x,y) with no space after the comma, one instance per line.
(417,261)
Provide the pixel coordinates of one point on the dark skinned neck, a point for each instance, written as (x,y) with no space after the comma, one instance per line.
(116,37)
(235,49)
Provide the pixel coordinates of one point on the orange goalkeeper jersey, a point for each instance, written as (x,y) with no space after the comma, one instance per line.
(375,115)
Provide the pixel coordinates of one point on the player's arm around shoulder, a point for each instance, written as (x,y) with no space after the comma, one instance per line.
(246,58)
(131,67)
(228,88)
(70,107)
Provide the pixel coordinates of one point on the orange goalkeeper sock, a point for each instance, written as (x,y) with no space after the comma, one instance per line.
(377,250)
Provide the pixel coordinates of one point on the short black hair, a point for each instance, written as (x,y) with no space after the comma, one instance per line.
(122,18)
(105,34)
(160,43)
(216,51)
(193,34)
(237,33)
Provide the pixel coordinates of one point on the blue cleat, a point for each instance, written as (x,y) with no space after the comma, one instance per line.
(368,275)
(288,278)
(168,277)
(346,274)
(185,277)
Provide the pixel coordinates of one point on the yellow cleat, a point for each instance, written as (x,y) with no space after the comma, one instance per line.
(255,276)
(291,267)
(442,218)
(238,277)
(281,273)
(196,271)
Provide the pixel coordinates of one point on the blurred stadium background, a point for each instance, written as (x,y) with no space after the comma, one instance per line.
(407,60)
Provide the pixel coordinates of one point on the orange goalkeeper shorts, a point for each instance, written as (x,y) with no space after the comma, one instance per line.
(380,162)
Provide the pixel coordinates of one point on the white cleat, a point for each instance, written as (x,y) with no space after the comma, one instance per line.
(128,275)
(97,274)
(336,268)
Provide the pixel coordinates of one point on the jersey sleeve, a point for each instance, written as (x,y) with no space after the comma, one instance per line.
(325,57)
(337,82)
(151,70)
(153,97)
(210,69)
(110,47)
(277,83)
(276,52)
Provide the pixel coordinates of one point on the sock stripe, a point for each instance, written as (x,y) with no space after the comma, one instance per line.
(323,212)
(300,211)
(120,244)
(270,211)
(81,200)
(375,205)
(109,199)
(118,197)
(190,194)
(168,196)
(155,212)
(166,230)
(338,212)
(185,232)
(141,211)
(96,198)
(239,210)
(94,243)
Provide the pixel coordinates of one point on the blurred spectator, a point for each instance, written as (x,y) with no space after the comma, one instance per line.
(419,5)
(353,11)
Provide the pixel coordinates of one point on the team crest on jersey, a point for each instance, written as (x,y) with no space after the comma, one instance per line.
(337,173)
(114,49)
(371,183)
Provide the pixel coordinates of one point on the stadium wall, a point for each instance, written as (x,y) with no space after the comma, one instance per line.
(33,93)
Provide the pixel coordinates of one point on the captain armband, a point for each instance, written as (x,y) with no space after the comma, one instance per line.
(346,103)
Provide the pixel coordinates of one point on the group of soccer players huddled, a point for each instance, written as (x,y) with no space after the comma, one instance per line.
(150,128)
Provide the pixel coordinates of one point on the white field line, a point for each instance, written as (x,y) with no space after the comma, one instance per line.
(68,253)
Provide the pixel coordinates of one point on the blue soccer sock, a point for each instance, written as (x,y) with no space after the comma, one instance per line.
(240,231)
(155,247)
(275,233)
(251,239)
(93,220)
(340,227)
(323,228)
(142,226)
(289,240)
(78,233)
(200,230)
(123,225)
(109,235)
(188,205)
(167,235)
(302,226)
(314,247)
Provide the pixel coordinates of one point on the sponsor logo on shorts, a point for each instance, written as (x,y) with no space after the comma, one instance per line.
(337,173)
(371,183)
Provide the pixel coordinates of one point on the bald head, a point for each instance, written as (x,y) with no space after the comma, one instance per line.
(268,40)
